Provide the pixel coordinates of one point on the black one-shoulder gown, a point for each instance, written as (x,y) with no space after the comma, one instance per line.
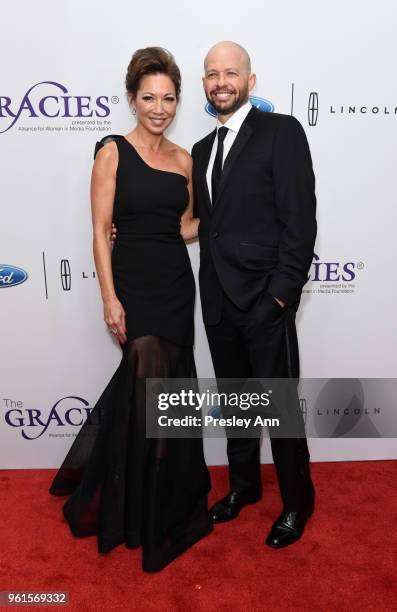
(122,486)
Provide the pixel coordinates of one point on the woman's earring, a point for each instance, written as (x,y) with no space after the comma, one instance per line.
(133,111)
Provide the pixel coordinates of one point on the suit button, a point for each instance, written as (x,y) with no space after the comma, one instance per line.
(215,234)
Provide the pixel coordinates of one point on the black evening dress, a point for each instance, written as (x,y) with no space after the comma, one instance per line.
(122,486)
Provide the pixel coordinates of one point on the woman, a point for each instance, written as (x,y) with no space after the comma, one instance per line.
(125,488)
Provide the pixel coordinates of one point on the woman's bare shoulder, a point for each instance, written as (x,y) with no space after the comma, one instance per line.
(108,150)
(173,148)
(106,158)
(182,156)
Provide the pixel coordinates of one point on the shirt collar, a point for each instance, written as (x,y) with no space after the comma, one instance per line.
(235,122)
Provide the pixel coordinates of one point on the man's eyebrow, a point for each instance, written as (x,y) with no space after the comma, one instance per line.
(226,69)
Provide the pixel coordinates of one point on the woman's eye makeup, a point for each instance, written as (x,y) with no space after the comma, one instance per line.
(149,98)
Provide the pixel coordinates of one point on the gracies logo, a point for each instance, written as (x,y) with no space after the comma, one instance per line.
(56,102)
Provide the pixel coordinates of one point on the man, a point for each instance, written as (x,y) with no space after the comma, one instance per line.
(254,194)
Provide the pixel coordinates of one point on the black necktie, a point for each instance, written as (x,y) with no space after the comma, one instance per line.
(217,168)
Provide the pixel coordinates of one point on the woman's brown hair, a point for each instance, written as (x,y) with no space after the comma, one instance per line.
(152,60)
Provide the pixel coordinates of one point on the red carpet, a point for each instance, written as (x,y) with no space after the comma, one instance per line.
(346,559)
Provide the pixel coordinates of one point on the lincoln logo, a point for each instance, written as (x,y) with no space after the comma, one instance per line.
(312,111)
(303,408)
(65,275)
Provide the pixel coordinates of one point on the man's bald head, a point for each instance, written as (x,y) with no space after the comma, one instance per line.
(231,50)
(227,78)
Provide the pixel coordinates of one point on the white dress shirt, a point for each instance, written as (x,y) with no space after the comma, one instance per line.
(233,124)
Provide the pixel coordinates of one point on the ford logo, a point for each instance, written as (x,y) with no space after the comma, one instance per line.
(260,103)
(215,411)
(11,275)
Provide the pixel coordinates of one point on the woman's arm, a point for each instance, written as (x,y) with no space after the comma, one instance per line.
(103,186)
(189,224)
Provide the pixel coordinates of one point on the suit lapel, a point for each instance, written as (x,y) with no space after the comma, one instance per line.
(205,158)
(241,139)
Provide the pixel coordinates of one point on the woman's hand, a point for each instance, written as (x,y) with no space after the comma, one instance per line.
(114,316)
(189,227)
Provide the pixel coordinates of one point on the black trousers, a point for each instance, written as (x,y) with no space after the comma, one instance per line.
(261,343)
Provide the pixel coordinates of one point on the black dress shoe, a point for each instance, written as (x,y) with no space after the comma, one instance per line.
(289,526)
(229,507)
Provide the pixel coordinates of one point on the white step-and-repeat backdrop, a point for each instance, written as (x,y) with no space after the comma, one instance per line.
(331,64)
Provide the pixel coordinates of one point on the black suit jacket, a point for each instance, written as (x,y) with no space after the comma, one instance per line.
(260,233)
